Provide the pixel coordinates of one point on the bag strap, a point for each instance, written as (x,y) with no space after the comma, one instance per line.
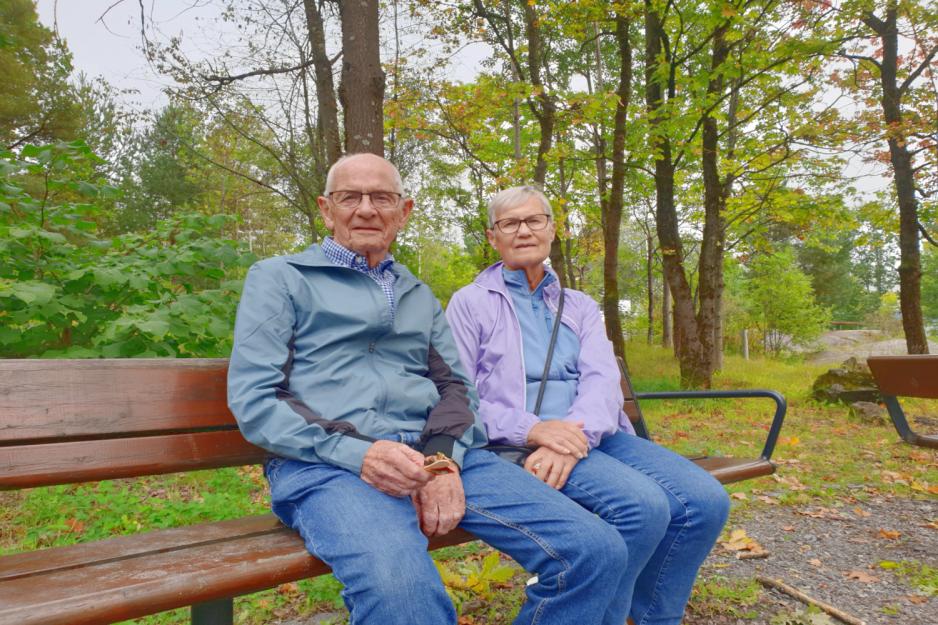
(550,355)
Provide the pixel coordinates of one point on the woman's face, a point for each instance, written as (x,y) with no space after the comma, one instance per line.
(526,247)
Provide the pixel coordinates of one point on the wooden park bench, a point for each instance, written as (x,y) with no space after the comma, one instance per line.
(69,421)
(906,376)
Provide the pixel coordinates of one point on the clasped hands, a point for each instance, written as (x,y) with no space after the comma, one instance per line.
(396,469)
(559,446)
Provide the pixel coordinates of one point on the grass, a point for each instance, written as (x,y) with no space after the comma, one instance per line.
(824,453)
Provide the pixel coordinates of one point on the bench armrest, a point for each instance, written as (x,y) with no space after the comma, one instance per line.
(781,406)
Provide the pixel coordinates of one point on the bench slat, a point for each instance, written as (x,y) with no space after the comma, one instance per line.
(46,399)
(127,546)
(729,470)
(131,587)
(80,461)
(906,376)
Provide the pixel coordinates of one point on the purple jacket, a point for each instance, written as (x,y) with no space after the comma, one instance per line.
(488,337)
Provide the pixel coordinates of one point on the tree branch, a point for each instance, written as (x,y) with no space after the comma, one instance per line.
(918,70)
(227,80)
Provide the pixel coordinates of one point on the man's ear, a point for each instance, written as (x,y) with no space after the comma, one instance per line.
(406,209)
(326,211)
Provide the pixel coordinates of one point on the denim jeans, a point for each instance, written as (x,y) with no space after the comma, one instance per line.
(669,513)
(625,533)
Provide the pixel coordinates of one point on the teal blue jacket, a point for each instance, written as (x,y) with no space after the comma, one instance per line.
(319,369)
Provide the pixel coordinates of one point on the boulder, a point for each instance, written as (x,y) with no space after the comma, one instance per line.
(850,382)
(868,411)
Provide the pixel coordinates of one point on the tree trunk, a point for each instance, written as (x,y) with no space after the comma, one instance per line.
(711,249)
(667,340)
(692,359)
(650,271)
(910,263)
(362,88)
(328,117)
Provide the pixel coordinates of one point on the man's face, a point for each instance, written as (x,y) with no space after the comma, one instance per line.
(365,229)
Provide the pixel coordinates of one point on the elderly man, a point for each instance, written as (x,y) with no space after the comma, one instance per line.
(343,368)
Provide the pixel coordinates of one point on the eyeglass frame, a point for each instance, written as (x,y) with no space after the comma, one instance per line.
(361,195)
(497,224)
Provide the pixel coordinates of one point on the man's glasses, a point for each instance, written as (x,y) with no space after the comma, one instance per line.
(512,225)
(350,200)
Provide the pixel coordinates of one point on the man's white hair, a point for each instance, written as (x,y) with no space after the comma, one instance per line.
(516,196)
(398,182)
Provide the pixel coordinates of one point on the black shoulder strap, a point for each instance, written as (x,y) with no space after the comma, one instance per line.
(550,355)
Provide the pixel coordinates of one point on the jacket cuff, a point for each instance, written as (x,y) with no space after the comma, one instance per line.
(349,453)
(519,435)
(439,443)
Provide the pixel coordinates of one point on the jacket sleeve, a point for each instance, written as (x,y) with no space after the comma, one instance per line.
(258,380)
(451,426)
(598,402)
(504,424)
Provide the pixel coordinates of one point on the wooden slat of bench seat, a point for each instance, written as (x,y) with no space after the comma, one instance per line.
(46,399)
(728,470)
(83,554)
(128,587)
(45,464)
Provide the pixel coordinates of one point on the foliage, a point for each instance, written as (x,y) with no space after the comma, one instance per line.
(65,292)
(36,103)
(474,580)
(780,302)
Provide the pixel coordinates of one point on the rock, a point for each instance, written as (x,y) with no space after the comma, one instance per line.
(868,411)
(849,383)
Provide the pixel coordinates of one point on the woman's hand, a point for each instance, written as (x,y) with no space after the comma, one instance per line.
(563,437)
(550,467)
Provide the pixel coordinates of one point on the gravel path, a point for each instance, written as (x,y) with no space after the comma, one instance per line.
(834,554)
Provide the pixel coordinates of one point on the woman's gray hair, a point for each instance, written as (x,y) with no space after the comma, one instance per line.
(516,196)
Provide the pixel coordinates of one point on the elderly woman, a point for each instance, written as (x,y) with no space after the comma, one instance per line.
(667,510)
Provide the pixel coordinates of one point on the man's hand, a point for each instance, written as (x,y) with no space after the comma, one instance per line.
(394,468)
(563,437)
(550,467)
(440,504)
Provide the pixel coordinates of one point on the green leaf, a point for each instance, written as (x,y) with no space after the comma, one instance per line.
(31,292)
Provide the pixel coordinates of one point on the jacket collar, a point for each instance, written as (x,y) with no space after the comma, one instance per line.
(491,278)
(313,256)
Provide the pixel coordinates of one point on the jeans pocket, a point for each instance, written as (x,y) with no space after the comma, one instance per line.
(272,467)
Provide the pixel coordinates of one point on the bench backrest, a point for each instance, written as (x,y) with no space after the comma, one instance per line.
(906,376)
(64,421)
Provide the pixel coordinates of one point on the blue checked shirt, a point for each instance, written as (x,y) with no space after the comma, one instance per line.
(381,273)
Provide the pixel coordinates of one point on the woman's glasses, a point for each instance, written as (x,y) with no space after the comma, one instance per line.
(511,225)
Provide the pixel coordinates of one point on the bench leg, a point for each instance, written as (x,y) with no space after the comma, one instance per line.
(219,612)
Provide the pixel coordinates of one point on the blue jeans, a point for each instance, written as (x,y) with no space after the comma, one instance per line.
(587,564)
(669,513)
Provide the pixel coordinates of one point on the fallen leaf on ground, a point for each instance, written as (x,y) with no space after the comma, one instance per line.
(861,513)
(814,562)
(740,496)
(861,576)
(889,534)
(772,501)
(788,528)
(919,599)
(739,541)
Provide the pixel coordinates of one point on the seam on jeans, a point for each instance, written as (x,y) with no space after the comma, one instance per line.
(656,593)
(615,509)
(561,579)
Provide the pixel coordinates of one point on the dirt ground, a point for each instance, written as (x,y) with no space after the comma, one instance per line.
(836,555)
